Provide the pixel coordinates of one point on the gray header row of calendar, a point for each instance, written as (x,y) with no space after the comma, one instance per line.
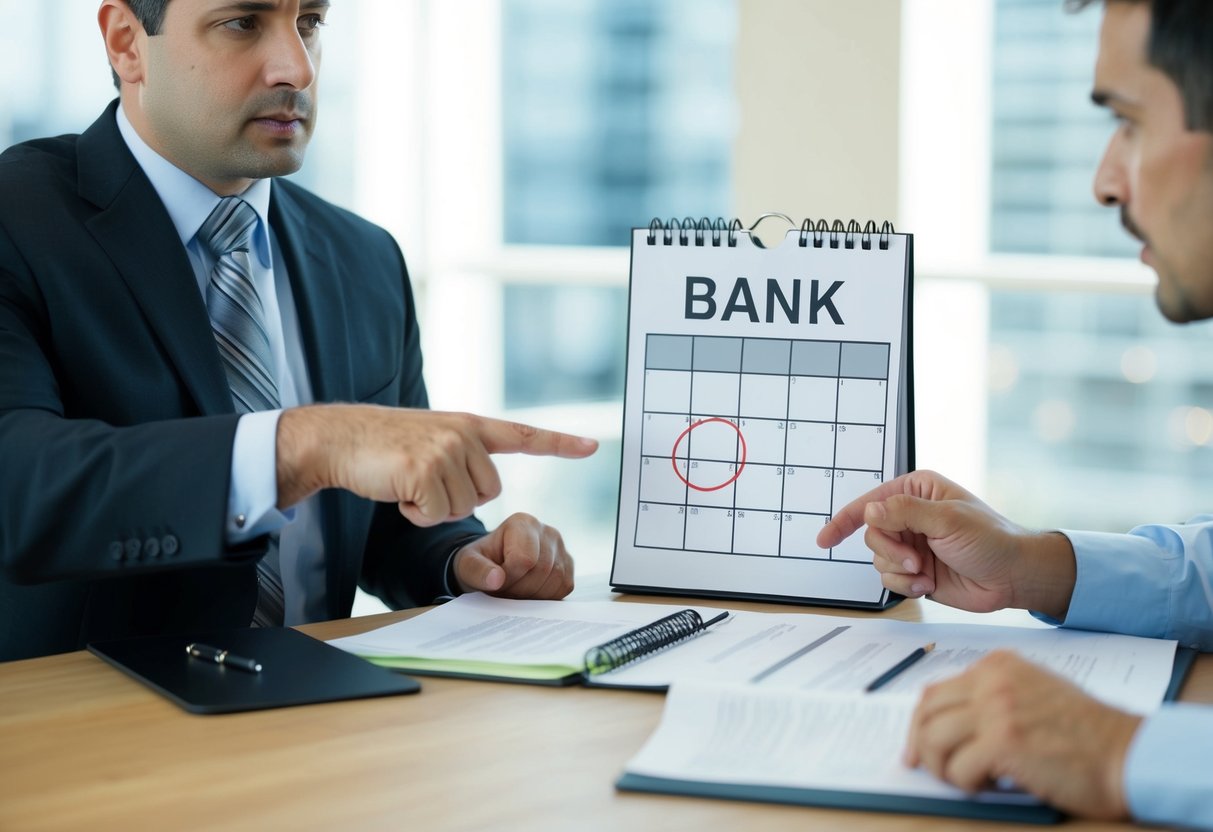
(767,355)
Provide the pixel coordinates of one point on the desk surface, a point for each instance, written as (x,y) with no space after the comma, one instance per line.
(83,746)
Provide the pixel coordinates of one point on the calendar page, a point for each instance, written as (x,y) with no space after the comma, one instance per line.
(766,389)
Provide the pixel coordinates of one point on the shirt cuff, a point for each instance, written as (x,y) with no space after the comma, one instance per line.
(252,499)
(1169,768)
(1123,583)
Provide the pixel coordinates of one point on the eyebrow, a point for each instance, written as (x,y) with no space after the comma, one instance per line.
(249,6)
(1103,98)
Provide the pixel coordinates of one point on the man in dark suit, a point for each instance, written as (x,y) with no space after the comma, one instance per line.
(138,491)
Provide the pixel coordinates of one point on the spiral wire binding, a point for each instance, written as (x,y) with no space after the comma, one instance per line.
(817,234)
(642,641)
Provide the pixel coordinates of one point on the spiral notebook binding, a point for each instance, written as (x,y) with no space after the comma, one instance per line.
(818,234)
(836,230)
(642,641)
(852,231)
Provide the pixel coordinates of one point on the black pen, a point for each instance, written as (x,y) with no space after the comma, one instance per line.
(890,674)
(720,617)
(222,657)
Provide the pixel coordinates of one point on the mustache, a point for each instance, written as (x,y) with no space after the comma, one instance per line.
(1127,223)
(297,102)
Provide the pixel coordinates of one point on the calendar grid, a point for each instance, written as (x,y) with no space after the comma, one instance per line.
(735,430)
(838,371)
(737,456)
(687,488)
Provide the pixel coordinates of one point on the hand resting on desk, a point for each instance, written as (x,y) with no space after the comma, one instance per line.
(1006,717)
(521,558)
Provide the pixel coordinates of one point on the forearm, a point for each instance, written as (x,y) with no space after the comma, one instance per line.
(300,455)
(336,446)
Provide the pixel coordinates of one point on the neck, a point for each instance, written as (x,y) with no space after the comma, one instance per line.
(138,119)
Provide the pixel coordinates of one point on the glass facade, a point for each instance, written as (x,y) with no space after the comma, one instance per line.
(565,344)
(55,51)
(614,112)
(1099,411)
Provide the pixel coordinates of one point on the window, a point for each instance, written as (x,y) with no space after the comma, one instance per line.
(1045,142)
(56,51)
(613,113)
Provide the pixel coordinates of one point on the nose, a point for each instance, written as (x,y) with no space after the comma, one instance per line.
(1111,184)
(290,60)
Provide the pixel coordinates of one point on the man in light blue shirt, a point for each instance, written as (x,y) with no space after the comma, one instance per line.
(1005,717)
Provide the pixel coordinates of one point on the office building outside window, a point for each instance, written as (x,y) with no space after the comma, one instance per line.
(614,111)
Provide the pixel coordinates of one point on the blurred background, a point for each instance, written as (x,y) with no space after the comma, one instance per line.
(510,145)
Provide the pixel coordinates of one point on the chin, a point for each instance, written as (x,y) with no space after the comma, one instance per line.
(1174,316)
(267,165)
(1179,309)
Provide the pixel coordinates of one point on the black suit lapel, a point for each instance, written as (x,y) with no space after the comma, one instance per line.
(319,298)
(136,232)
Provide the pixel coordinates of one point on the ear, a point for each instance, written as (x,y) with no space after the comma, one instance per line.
(124,36)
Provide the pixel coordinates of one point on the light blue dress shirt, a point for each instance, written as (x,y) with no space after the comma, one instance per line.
(1156,581)
(253,496)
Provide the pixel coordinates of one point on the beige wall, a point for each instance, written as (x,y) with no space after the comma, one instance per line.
(818,109)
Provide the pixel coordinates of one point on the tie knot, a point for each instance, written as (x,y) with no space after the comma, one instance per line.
(229,227)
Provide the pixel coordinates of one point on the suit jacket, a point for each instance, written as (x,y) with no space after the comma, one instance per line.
(116,422)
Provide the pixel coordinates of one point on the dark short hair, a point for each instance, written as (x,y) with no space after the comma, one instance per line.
(1181,47)
(150,13)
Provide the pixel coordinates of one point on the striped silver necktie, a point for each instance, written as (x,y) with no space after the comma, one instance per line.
(238,321)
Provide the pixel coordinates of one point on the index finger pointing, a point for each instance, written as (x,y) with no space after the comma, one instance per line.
(502,437)
(850,517)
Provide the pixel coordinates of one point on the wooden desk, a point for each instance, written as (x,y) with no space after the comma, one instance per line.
(82,746)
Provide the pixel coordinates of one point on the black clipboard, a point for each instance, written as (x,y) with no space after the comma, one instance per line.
(296,670)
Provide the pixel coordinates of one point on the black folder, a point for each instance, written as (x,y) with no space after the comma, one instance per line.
(296,670)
